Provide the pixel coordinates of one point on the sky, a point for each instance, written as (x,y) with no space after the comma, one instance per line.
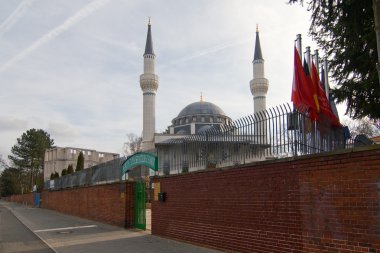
(72,68)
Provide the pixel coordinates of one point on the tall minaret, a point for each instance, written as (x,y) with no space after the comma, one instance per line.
(259,84)
(149,86)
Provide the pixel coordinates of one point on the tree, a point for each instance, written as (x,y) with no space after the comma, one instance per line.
(56,175)
(70,169)
(362,126)
(133,145)
(64,172)
(8,182)
(80,162)
(3,163)
(29,151)
(345,30)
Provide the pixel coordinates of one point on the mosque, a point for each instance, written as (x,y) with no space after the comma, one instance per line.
(196,117)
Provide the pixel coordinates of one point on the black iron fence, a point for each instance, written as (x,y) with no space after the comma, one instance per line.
(274,133)
(103,173)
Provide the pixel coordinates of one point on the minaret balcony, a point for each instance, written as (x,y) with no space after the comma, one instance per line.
(149,82)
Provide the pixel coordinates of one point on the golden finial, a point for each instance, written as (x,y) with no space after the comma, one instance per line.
(257,28)
(201,97)
(149,21)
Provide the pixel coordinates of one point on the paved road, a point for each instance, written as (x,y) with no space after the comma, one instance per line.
(15,237)
(66,234)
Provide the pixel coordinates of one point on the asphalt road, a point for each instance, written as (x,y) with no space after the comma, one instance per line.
(16,238)
(67,234)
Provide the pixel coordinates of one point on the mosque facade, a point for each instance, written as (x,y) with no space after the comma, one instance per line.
(196,118)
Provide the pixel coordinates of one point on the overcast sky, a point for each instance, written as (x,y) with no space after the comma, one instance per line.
(72,67)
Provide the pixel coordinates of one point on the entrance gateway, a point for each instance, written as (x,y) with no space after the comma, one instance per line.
(151,161)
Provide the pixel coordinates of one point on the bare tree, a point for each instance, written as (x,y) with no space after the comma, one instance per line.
(3,163)
(364,126)
(133,145)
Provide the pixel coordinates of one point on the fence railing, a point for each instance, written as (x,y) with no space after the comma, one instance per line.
(277,132)
(274,133)
(107,172)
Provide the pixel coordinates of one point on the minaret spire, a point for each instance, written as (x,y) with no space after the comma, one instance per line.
(259,84)
(149,86)
(258,54)
(149,41)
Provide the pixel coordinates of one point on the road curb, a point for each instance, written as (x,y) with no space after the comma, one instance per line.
(23,223)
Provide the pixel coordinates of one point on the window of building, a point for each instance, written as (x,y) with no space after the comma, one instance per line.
(101,155)
(88,153)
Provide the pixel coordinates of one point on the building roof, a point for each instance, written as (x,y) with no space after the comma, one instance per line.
(376,139)
(149,41)
(201,107)
(258,55)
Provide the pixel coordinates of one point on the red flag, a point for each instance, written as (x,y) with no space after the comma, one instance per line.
(302,95)
(319,95)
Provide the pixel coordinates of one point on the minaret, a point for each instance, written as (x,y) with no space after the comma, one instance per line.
(259,84)
(149,86)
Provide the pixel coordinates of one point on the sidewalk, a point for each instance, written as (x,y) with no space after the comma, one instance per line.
(66,234)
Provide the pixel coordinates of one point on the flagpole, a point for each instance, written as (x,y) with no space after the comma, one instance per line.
(316,60)
(299,45)
(327,86)
(307,52)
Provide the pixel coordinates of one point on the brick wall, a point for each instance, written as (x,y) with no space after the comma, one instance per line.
(111,203)
(27,199)
(321,203)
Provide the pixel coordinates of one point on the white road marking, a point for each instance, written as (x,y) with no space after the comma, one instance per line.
(67,228)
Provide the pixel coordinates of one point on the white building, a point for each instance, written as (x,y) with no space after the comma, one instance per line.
(59,158)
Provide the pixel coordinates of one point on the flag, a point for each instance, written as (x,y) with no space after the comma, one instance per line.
(325,86)
(312,81)
(324,108)
(302,96)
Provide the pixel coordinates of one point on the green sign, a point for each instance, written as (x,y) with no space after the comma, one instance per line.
(142,158)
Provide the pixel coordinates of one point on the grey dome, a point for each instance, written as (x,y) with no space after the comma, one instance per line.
(198,117)
(199,108)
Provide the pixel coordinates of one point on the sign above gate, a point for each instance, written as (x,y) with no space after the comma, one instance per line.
(142,158)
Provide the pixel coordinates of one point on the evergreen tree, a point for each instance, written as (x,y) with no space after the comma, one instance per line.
(80,162)
(345,30)
(64,172)
(70,169)
(29,151)
(9,182)
(56,175)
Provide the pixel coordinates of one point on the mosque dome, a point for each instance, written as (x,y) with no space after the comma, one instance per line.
(201,107)
(198,117)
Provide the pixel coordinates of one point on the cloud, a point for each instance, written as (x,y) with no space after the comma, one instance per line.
(74,19)
(207,51)
(62,131)
(10,123)
(15,16)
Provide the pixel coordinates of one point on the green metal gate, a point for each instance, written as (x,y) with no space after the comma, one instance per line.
(139,205)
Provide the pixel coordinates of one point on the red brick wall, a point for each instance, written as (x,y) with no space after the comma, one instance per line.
(111,203)
(27,198)
(321,203)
